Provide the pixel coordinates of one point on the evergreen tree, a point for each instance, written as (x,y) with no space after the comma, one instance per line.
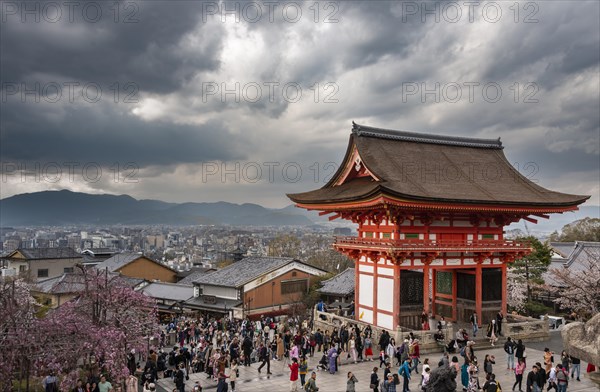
(534,265)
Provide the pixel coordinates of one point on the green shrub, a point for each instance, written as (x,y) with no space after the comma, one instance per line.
(536,309)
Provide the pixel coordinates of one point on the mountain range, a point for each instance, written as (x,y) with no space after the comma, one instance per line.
(56,208)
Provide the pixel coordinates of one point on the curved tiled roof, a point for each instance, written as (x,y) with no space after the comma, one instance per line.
(245,270)
(169,291)
(580,255)
(74,282)
(48,253)
(433,168)
(120,260)
(341,284)
(415,137)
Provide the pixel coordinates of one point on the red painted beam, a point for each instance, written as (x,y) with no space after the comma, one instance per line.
(530,219)
(542,216)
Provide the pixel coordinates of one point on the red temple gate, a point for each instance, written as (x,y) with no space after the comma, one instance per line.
(430,223)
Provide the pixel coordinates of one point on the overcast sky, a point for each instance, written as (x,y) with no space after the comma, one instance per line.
(143,98)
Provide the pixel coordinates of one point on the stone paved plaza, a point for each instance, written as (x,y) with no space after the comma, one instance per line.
(251,380)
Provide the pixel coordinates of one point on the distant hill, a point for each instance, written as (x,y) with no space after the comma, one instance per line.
(56,208)
(556,222)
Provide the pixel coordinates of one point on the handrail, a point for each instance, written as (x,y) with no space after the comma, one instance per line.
(475,244)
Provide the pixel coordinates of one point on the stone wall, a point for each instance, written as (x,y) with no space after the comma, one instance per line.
(582,340)
(527,329)
(427,343)
(517,327)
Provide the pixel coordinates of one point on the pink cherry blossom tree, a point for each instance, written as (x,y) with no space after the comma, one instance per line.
(17,332)
(97,329)
(579,286)
(516,290)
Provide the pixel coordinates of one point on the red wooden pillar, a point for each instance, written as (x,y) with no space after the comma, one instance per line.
(504,289)
(426,288)
(478,293)
(454,296)
(397,295)
(375,259)
(433,290)
(357,305)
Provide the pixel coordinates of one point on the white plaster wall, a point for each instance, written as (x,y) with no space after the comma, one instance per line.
(385,271)
(385,294)
(367,315)
(385,321)
(365,296)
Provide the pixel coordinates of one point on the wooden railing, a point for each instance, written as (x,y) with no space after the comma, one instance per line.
(433,245)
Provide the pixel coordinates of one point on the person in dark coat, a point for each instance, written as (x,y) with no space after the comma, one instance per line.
(384,340)
(180,378)
(222,384)
(520,351)
(264,357)
(374,380)
(499,319)
(247,347)
(532,379)
(541,375)
(131,364)
(442,379)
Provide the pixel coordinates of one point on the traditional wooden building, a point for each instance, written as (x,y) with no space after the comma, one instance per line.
(42,263)
(338,288)
(170,297)
(136,265)
(430,212)
(254,286)
(59,290)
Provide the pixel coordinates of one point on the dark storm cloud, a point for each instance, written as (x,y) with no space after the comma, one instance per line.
(146,45)
(369,53)
(559,43)
(99,133)
(357,34)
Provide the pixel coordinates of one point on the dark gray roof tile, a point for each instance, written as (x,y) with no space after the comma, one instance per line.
(120,260)
(424,167)
(341,284)
(169,291)
(49,253)
(244,271)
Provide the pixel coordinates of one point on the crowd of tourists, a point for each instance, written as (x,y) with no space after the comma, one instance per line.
(219,347)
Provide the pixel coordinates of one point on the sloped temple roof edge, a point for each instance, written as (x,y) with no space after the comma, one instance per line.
(372,145)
